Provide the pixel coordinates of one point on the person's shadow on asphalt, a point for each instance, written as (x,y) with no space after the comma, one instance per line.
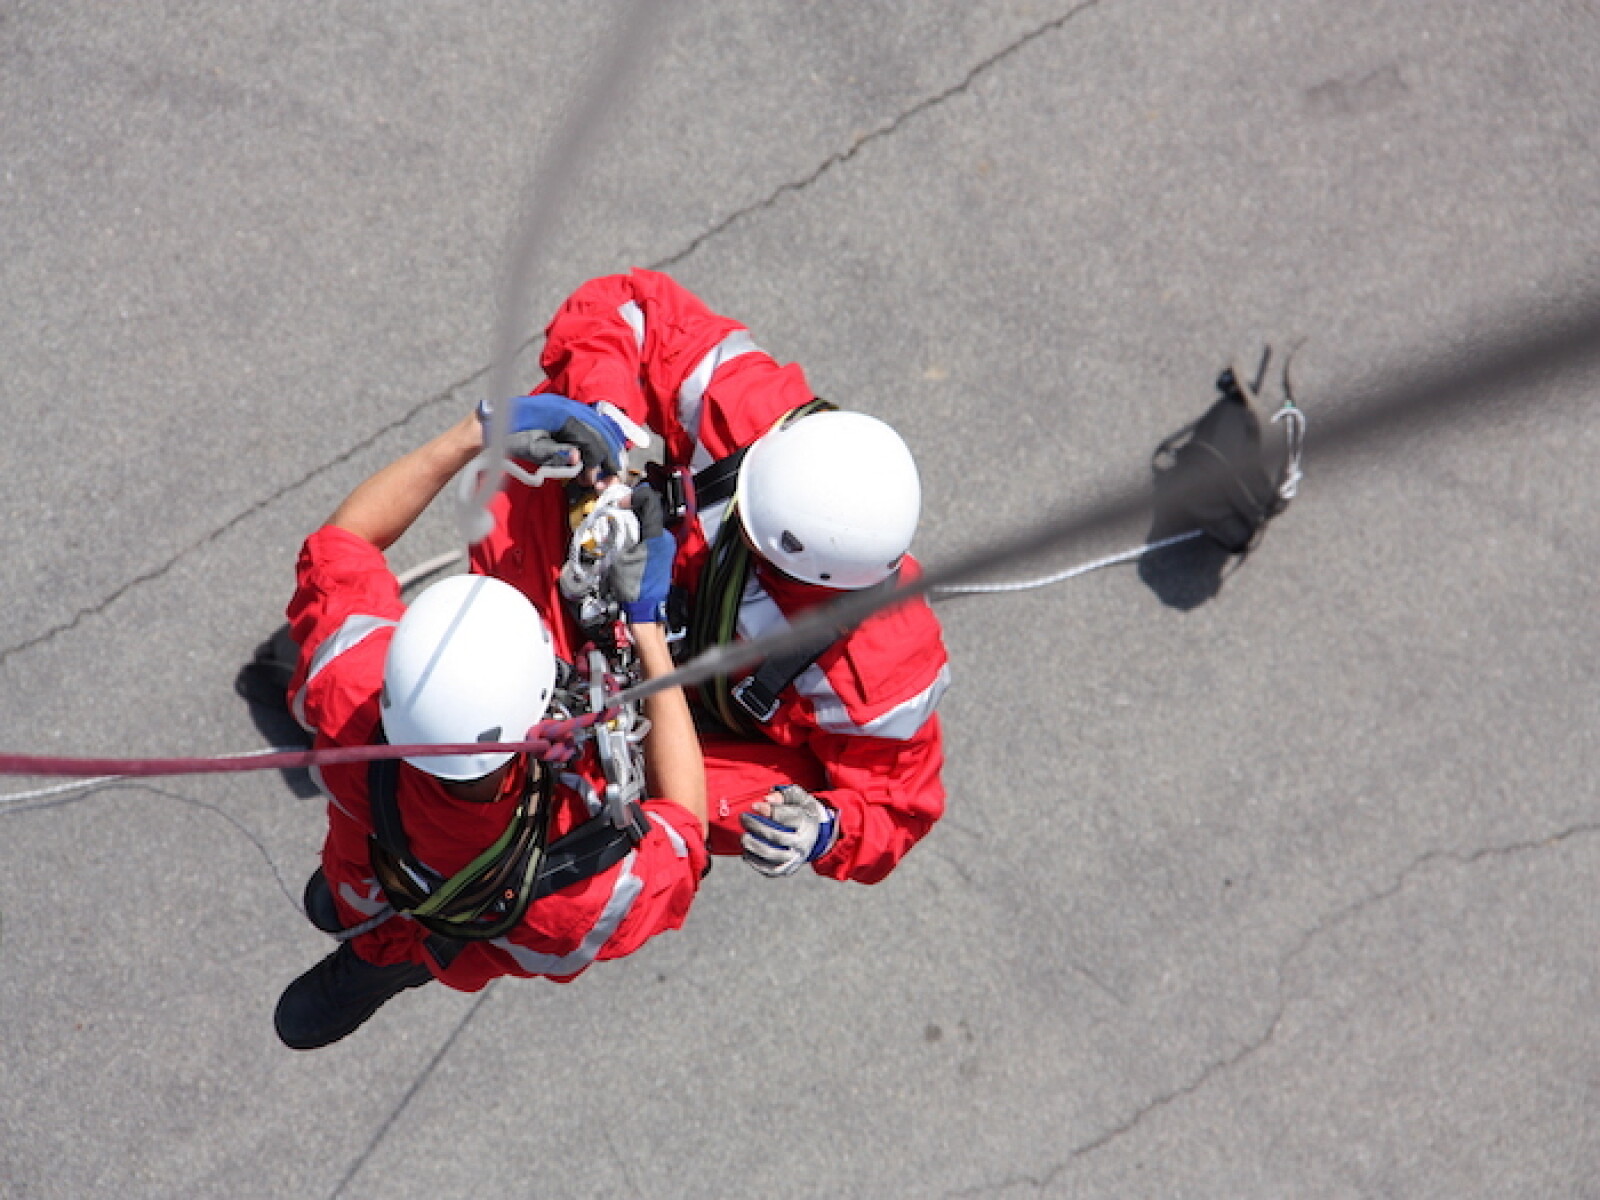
(264,683)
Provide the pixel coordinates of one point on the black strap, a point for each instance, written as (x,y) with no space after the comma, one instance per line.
(383,799)
(491,896)
(758,692)
(591,849)
(717,482)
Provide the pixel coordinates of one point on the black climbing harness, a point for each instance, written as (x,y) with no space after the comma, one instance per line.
(489,896)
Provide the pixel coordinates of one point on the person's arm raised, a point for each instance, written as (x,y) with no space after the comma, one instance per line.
(388,503)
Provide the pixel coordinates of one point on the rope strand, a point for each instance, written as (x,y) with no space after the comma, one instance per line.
(1023,585)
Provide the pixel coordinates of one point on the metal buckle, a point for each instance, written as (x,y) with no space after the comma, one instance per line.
(762,711)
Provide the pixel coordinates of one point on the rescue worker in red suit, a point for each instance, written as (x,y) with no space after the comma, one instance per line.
(845,774)
(470,661)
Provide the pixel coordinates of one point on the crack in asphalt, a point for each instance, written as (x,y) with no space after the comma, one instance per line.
(788,188)
(411,1092)
(94,788)
(1222,1066)
(838,159)
(233,522)
(241,827)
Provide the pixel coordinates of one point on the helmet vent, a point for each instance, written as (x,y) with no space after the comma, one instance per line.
(791,543)
(489,735)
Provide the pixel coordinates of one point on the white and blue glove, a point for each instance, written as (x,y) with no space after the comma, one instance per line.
(642,575)
(546,428)
(796,828)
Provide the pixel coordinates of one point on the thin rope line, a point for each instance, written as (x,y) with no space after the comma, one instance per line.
(1023,585)
(548,739)
(14,799)
(423,569)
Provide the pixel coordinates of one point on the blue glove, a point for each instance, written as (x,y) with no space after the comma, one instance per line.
(798,829)
(641,577)
(545,427)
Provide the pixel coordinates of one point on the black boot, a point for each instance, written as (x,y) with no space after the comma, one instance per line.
(318,901)
(331,1000)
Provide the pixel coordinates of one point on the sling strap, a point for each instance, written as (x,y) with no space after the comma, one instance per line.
(717,482)
(489,897)
(758,693)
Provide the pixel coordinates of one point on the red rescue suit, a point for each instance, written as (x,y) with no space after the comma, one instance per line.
(343,615)
(857,728)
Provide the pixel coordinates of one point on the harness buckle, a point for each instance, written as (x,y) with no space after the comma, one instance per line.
(755,698)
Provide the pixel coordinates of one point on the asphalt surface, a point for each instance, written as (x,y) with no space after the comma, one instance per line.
(1272,880)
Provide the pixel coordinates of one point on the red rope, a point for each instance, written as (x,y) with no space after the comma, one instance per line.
(545,740)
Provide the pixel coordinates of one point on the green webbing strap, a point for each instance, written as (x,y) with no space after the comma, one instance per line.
(446,892)
(715,619)
(433,910)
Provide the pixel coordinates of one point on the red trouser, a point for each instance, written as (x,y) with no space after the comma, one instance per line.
(738,773)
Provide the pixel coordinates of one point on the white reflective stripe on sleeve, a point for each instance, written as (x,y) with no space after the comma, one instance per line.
(692,392)
(623,893)
(899,724)
(354,631)
(634,316)
(759,614)
(679,846)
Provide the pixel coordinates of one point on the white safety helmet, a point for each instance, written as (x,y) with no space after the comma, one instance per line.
(471,661)
(831,499)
